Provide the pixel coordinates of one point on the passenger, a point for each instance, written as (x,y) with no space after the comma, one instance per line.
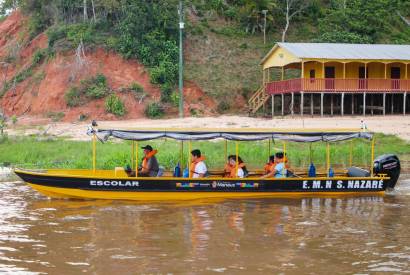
(270,165)
(198,168)
(279,171)
(149,167)
(230,168)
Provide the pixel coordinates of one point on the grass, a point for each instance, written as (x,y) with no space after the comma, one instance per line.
(30,152)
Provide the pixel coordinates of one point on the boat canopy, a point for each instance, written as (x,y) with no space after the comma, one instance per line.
(234,134)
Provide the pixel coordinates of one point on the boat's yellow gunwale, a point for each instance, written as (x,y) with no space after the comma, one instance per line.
(95,175)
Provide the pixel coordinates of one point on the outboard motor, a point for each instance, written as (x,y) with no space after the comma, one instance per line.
(388,164)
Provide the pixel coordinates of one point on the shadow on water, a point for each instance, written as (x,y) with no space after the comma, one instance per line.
(303,235)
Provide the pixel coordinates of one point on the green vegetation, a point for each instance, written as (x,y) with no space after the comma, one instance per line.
(223,37)
(154,110)
(55,116)
(114,105)
(91,88)
(31,152)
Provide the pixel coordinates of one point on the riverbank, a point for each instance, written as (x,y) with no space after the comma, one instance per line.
(394,125)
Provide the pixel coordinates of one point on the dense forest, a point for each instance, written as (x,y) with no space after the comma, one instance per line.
(147,30)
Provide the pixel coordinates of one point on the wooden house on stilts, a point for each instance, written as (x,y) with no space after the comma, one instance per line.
(334,79)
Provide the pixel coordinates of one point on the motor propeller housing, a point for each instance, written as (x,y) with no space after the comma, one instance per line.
(388,164)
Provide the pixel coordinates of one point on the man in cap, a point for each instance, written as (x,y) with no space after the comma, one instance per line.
(149,167)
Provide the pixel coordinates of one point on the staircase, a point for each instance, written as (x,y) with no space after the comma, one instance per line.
(257,100)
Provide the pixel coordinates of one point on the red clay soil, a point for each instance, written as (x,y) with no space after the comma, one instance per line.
(44,92)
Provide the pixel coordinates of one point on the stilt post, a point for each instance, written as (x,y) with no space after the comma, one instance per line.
(331,104)
(311,105)
(364,104)
(292,104)
(392,103)
(301,103)
(342,104)
(352,104)
(283,105)
(384,104)
(321,104)
(273,106)
(404,103)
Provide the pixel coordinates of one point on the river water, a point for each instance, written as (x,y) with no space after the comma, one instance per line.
(354,235)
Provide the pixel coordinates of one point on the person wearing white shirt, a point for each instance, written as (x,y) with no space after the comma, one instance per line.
(198,167)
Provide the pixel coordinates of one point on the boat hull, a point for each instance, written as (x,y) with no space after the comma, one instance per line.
(145,189)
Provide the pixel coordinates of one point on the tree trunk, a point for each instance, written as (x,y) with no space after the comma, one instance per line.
(92,3)
(287,21)
(85,10)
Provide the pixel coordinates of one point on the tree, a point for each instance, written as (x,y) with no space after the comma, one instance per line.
(291,9)
(251,14)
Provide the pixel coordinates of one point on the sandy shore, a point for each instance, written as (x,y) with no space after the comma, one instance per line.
(397,125)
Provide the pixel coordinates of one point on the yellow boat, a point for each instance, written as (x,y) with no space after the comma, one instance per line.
(117,184)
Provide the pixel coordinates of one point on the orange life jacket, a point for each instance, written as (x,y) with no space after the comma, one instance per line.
(194,163)
(269,167)
(147,157)
(230,170)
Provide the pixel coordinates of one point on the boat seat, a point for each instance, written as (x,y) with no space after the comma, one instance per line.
(357,172)
(120,172)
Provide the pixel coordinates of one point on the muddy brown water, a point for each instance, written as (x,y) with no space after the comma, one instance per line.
(347,235)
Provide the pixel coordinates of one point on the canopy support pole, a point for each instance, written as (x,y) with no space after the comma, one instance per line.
(226,150)
(94,151)
(351,154)
(268,149)
(181,154)
(132,154)
(372,160)
(284,157)
(136,159)
(189,159)
(327,158)
(237,158)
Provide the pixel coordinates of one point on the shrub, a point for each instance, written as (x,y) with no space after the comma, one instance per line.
(114,105)
(73,97)
(55,116)
(56,33)
(136,88)
(13,119)
(95,87)
(175,98)
(154,110)
(80,32)
(223,106)
(38,56)
(166,91)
